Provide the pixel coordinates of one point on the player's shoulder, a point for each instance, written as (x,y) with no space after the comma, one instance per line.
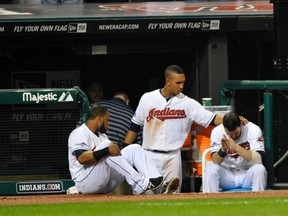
(76,131)
(155,91)
(182,96)
(218,129)
(251,125)
(83,127)
(217,133)
(185,98)
(151,93)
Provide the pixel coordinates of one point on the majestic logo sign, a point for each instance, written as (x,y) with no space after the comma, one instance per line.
(45,97)
(166,113)
(65,97)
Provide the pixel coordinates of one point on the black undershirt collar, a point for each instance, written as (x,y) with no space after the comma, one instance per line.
(167,99)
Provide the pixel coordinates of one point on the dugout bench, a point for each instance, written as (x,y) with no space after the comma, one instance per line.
(34,129)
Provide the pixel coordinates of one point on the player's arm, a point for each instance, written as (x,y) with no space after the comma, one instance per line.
(87,156)
(132,133)
(218,157)
(218,119)
(247,154)
(231,145)
(130,137)
(255,138)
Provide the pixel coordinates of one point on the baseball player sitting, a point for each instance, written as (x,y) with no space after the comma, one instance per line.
(97,165)
(237,152)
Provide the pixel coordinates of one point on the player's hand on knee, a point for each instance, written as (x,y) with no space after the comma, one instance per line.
(114,149)
(122,145)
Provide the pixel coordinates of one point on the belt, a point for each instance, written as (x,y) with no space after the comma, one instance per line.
(158,151)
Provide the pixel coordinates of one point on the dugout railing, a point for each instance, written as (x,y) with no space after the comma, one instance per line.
(267,87)
(34,129)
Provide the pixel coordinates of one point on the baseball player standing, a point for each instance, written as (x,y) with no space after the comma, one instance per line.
(98,166)
(166,115)
(237,152)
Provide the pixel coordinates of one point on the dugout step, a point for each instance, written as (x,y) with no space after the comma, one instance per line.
(279,186)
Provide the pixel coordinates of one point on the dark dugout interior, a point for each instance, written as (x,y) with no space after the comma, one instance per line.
(136,64)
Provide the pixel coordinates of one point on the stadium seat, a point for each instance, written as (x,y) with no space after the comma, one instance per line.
(237,190)
(206,162)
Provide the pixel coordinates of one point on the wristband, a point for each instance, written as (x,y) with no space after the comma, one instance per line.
(221,153)
(122,145)
(100,153)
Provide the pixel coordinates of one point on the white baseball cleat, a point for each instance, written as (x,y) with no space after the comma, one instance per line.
(170,186)
(72,190)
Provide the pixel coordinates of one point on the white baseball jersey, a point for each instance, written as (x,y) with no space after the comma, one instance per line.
(251,138)
(105,175)
(235,171)
(166,125)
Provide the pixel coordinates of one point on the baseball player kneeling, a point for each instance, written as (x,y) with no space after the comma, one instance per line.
(237,152)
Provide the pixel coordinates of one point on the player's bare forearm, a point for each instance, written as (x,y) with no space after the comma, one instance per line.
(218,119)
(246,154)
(232,146)
(114,149)
(86,158)
(216,158)
(130,137)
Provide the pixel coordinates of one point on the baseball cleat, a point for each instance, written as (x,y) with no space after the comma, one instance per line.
(72,190)
(154,183)
(148,192)
(171,186)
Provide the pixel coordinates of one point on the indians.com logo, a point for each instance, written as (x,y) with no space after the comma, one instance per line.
(45,97)
(37,187)
(166,113)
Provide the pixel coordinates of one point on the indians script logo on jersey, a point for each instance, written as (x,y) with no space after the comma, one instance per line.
(245,145)
(261,141)
(166,113)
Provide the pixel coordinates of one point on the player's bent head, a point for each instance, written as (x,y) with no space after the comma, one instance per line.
(96,110)
(231,121)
